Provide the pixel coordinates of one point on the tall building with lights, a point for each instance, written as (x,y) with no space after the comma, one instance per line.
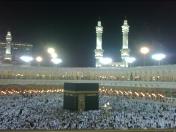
(99,51)
(125,52)
(11,51)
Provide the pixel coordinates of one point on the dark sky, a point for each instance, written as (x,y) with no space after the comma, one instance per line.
(70,27)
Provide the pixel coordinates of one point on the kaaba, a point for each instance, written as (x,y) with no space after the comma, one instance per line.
(81,96)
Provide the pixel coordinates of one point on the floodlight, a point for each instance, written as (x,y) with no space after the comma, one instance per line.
(51,50)
(26,59)
(105,61)
(130,59)
(56,60)
(144,50)
(39,58)
(159,56)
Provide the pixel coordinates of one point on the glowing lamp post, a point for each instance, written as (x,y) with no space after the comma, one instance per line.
(144,51)
(159,57)
(39,59)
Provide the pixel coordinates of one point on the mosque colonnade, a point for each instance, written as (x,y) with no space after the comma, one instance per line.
(166,73)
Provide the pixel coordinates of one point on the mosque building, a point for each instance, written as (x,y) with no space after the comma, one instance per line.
(10,51)
(125,52)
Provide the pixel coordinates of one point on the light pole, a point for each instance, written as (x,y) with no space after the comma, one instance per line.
(144,51)
(158,57)
(39,59)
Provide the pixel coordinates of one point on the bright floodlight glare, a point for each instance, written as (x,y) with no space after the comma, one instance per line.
(51,50)
(144,50)
(159,56)
(26,59)
(130,59)
(54,55)
(39,58)
(56,60)
(105,61)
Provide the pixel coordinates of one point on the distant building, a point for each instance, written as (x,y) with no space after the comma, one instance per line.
(10,51)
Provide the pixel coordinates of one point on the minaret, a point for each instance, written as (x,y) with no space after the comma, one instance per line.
(99,51)
(125,52)
(8,55)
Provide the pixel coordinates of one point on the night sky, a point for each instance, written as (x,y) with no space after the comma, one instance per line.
(70,27)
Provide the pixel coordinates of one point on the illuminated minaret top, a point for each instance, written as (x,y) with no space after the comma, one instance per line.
(8,37)
(99,32)
(125,51)
(125,30)
(98,50)
(8,55)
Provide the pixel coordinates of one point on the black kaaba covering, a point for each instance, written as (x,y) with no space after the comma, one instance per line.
(81,96)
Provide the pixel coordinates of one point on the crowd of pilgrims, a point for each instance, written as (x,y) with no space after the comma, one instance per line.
(45,111)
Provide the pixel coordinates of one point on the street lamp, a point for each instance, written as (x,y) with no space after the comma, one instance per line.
(144,51)
(39,59)
(158,57)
